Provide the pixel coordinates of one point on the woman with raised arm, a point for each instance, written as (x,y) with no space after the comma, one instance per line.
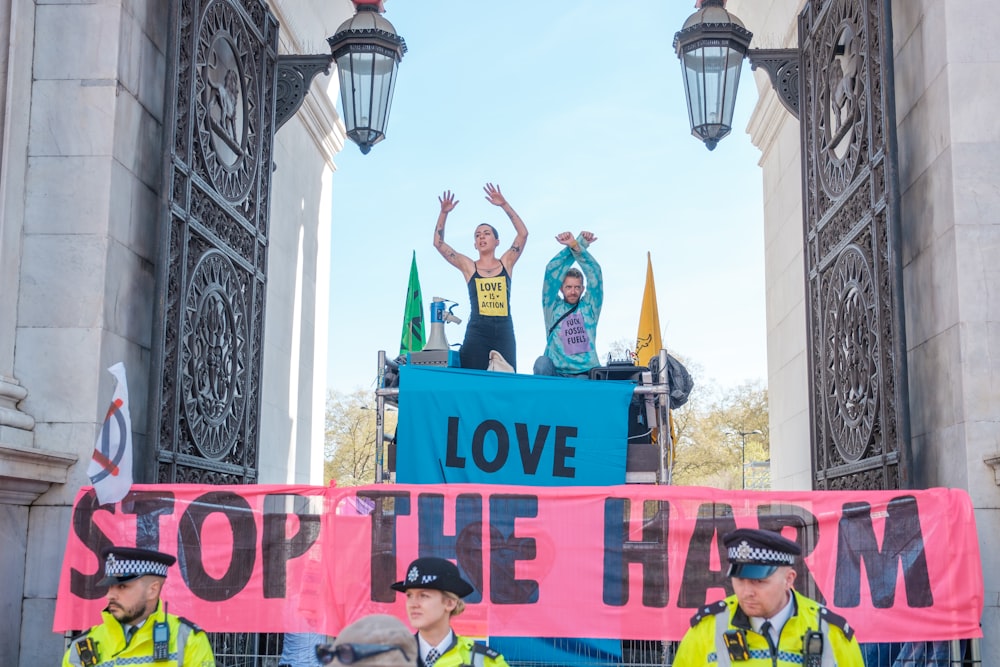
(488,278)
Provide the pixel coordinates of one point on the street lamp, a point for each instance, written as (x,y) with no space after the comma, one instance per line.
(743,449)
(367,51)
(711,47)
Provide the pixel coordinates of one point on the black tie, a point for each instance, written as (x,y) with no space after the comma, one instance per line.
(765,630)
(129,634)
(432,657)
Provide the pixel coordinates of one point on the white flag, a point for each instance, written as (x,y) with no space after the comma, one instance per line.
(110,469)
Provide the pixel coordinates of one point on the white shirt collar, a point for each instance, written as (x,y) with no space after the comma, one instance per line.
(125,628)
(425,647)
(777,621)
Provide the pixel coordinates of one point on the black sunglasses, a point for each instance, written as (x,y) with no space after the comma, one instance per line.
(348,654)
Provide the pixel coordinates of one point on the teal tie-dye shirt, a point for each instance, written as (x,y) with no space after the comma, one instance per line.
(572,344)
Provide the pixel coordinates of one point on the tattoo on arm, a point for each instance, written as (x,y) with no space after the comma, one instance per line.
(515,248)
(451,255)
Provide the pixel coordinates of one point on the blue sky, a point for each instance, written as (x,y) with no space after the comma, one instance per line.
(576,110)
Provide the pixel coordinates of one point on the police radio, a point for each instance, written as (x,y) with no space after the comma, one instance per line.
(812,649)
(161,641)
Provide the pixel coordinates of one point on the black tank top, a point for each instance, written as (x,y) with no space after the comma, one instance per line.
(489,297)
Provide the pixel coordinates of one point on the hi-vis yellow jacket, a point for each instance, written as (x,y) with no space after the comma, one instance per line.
(188,645)
(465,651)
(704,644)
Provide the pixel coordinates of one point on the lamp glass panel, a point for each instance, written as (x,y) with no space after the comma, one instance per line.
(368,77)
(364,65)
(383,87)
(714,67)
(349,82)
(694,86)
(732,81)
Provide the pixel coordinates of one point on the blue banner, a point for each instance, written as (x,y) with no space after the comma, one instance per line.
(460,425)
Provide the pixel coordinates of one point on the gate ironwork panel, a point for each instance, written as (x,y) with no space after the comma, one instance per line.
(857,362)
(211,273)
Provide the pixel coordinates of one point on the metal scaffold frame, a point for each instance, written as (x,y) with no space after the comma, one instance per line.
(655,391)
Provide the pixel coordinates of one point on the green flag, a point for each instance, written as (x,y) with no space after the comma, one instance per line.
(413,314)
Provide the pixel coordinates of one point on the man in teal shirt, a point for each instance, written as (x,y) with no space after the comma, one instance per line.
(571,311)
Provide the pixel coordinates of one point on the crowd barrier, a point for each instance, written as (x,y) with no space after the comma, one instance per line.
(263,650)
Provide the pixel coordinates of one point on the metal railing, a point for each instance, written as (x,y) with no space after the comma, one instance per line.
(235,649)
(245,649)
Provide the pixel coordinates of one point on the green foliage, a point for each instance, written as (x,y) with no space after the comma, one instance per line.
(709,444)
(349,439)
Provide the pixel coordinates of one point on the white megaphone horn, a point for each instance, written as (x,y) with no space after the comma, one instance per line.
(437,340)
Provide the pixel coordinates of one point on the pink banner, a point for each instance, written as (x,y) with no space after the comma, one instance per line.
(631,562)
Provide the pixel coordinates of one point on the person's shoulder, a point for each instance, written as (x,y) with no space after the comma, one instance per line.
(709,611)
(813,608)
(491,655)
(80,636)
(77,645)
(837,621)
(191,624)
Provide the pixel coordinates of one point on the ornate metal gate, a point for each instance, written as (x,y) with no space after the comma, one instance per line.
(211,271)
(857,355)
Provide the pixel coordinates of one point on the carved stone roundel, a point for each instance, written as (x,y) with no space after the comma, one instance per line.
(227,101)
(214,355)
(841,94)
(850,334)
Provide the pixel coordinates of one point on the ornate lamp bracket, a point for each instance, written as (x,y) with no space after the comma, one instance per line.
(994,462)
(782,66)
(294,76)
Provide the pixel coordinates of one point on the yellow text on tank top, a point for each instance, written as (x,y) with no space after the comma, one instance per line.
(492,296)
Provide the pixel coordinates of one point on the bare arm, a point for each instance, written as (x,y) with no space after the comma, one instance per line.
(510,257)
(456,259)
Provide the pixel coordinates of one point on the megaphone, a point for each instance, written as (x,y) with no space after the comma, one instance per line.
(437,340)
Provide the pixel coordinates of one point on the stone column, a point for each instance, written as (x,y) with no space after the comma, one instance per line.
(25,471)
(15,85)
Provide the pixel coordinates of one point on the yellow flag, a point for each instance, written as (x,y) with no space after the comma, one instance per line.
(647,339)
(648,342)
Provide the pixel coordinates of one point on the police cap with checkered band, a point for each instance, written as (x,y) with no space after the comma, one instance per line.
(123,564)
(434,573)
(757,554)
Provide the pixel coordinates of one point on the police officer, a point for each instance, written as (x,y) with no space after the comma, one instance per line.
(766,622)
(434,591)
(137,628)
